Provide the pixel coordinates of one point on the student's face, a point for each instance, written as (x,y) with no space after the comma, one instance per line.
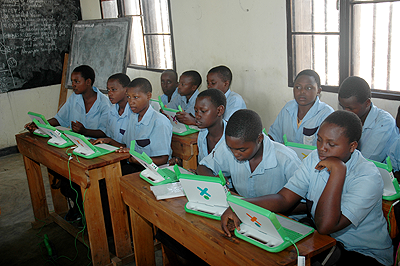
(351,104)
(243,150)
(168,83)
(116,93)
(79,84)
(138,100)
(331,142)
(185,86)
(305,90)
(215,82)
(206,113)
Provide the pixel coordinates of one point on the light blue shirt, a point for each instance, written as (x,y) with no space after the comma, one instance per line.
(361,203)
(202,142)
(164,98)
(187,106)
(286,123)
(234,102)
(74,110)
(117,124)
(153,133)
(277,166)
(378,134)
(394,153)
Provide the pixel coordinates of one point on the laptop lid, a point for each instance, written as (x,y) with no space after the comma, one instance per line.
(264,228)
(156,104)
(391,188)
(178,128)
(57,138)
(302,150)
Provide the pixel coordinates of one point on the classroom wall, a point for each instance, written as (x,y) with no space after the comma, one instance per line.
(248,36)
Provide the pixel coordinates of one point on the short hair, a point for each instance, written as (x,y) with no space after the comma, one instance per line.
(347,120)
(142,83)
(217,97)
(223,72)
(310,73)
(86,72)
(122,79)
(194,75)
(244,124)
(171,71)
(355,86)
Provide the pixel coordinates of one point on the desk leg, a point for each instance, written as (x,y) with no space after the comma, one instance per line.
(59,201)
(143,243)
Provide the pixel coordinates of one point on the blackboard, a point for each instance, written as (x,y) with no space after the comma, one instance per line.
(34,35)
(101,44)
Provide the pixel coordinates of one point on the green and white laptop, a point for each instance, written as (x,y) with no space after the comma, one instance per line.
(391,188)
(43,121)
(86,149)
(57,138)
(264,228)
(206,195)
(302,150)
(178,128)
(156,104)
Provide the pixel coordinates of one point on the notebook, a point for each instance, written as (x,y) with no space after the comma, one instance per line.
(57,138)
(206,195)
(86,149)
(264,228)
(43,121)
(302,150)
(391,188)
(178,128)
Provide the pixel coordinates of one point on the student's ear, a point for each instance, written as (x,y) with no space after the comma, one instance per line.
(319,91)
(260,138)
(226,84)
(88,82)
(353,146)
(220,110)
(368,102)
(149,94)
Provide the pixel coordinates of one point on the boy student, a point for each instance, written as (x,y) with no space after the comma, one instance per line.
(394,151)
(220,77)
(256,164)
(343,192)
(169,85)
(189,82)
(300,118)
(378,126)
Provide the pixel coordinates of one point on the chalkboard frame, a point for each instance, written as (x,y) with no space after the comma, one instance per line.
(101,72)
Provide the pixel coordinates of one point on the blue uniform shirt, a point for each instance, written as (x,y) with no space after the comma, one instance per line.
(164,98)
(394,153)
(74,110)
(378,134)
(286,123)
(361,203)
(202,142)
(187,106)
(117,124)
(277,166)
(234,102)
(153,133)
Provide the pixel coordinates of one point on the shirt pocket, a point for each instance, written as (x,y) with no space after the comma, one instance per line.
(309,135)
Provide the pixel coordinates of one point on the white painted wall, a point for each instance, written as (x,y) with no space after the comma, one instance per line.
(249,36)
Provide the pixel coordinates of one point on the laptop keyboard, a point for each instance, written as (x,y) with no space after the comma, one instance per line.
(292,234)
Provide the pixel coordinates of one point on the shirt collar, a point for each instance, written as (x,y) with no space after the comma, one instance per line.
(227,93)
(269,157)
(370,120)
(147,116)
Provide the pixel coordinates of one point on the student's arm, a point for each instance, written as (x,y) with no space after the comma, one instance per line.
(109,141)
(78,127)
(54,122)
(186,118)
(204,170)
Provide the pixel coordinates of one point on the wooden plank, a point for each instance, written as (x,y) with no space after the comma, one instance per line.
(63,91)
(69,228)
(143,242)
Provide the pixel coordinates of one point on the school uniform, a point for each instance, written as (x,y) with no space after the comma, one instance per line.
(187,106)
(74,110)
(164,98)
(394,154)
(153,133)
(276,167)
(234,102)
(378,134)
(306,133)
(361,203)
(202,142)
(117,124)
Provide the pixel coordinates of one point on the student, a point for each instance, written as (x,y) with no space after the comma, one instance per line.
(394,151)
(220,77)
(343,192)
(379,128)
(300,118)
(256,164)
(189,82)
(120,112)
(169,85)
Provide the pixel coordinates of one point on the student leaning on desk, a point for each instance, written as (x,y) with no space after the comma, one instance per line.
(343,192)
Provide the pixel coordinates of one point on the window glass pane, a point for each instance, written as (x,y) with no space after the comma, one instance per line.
(158,51)
(132,7)
(317,52)
(156,18)
(137,56)
(109,8)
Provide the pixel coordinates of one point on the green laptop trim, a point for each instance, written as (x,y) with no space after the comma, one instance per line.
(169,176)
(189,130)
(44,120)
(97,150)
(297,145)
(273,219)
(68,141)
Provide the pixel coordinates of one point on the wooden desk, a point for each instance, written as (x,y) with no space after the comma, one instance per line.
(185,147)
(394,230)
(87,174)
(200,235)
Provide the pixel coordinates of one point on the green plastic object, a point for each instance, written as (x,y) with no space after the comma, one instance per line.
(55,134)
(177,125)
(391,185)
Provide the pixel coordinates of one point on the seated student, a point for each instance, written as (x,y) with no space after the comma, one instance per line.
(343,192)
(169,85)
(256,164)
(220,78)
(300,118)
(189,82)
(379,128)
(394,151)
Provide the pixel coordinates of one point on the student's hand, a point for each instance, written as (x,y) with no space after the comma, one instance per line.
(225,225)
(78,127)
(331,163)
(100,140)
(31,127)
(185,118)
(175,160)
(123,150)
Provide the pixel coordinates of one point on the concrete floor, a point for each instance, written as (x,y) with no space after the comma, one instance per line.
(20,244)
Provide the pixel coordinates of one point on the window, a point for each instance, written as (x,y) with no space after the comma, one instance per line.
(151,44)
(341,38)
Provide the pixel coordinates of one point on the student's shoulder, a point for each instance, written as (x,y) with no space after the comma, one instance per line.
(360,167)
(384,116)
(284,152)
(160,119)
(324,107)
